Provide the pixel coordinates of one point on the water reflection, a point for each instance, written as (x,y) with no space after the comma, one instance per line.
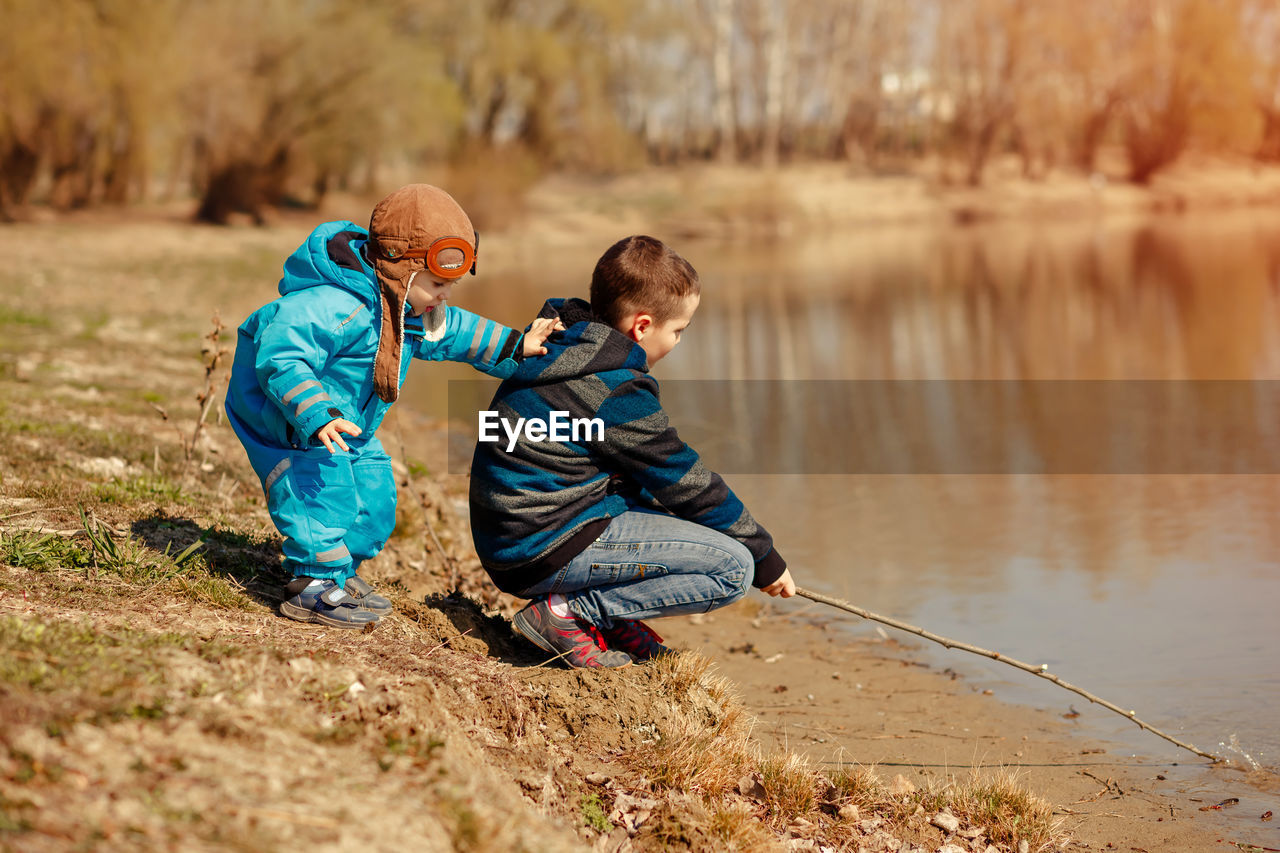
(1177,299)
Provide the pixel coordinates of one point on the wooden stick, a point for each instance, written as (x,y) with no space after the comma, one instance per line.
(1042,670)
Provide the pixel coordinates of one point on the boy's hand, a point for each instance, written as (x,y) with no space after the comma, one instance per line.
(331,433)
(783,586)
(542,328)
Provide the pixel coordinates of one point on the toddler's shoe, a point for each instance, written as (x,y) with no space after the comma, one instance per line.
(359,589)
(635,638)
(309,600)
(579,642)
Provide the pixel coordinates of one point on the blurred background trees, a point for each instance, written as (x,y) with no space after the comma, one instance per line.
(244,105)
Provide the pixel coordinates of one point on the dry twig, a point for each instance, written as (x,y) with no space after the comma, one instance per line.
(1042,671)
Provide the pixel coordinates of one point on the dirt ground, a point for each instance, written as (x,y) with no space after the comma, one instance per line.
(151,698)
(816,689)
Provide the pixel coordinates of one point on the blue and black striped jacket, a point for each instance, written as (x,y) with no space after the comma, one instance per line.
(537,506)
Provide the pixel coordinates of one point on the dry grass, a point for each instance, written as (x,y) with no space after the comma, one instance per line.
(1007,811)
(720,790)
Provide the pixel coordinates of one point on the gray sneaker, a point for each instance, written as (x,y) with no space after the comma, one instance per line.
(359,589)
(327,604)
(579,643)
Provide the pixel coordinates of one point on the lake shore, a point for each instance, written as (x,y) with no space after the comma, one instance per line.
(726,203)
(817,689)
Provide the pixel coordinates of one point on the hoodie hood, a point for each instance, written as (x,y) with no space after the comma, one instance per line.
(333,254)
(587,346)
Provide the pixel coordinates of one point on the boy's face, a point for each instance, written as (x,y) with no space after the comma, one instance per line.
(658,339)
(426,291)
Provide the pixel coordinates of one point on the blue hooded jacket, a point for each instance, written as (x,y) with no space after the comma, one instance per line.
(308,357)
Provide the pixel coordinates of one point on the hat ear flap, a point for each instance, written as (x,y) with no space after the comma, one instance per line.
(393,287)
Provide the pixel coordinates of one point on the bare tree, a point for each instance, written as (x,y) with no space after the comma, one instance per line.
(1190,81)
(722,73)
(775,58)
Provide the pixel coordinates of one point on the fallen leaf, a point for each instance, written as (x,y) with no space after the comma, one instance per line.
(750,786)
(901,786)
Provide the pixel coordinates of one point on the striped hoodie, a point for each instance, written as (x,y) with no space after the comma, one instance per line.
(538,505)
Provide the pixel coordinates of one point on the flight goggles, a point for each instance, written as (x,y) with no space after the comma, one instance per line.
(451,268)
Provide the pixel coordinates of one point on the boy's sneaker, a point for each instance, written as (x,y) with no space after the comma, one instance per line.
(635,638)
(578,642)
(324,602)
(358,588)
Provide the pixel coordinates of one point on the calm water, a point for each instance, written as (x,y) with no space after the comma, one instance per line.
(1158,592)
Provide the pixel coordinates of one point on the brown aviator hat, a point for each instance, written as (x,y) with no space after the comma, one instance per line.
(418,227)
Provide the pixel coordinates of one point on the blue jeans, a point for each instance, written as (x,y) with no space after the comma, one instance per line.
(649,564)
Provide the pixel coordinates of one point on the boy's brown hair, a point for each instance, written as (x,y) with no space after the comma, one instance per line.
(641,273)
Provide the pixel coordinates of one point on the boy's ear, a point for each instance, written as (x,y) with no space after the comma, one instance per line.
(641,324)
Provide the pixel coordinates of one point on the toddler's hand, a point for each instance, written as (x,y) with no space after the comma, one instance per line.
(331,433)
(542,328)
(783,586)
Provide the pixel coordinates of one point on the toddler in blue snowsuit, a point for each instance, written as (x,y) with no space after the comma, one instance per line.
(316,370)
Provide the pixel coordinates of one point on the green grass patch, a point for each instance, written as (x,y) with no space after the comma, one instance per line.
(41,552)
(13,815)
(51,444)
(175,564)
(59,673)
(152,489)
(593,813)
(11,317)
(93,323)
(420,747)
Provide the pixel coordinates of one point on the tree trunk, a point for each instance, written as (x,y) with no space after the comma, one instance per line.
(980,149)
(19,165)
(775,46)
(121,165)
(858,131)
(1269,147)
(1154,142)
(1091,134)
(74,167)
(722,74)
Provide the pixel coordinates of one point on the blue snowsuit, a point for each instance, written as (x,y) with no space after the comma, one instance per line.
(308,358)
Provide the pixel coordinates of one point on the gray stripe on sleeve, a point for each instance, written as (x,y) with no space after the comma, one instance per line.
(499,334)
(309,402)
(298,389)
(476,340)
